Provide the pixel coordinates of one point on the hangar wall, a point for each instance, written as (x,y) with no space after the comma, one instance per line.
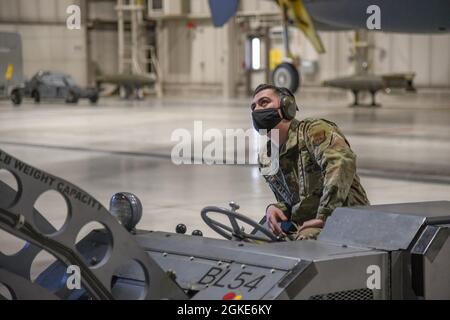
(197,58)
(102,41)
(427,55)
(46,41)
(190,66)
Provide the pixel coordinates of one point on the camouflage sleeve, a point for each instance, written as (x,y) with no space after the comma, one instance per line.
(337,162)
(282,206)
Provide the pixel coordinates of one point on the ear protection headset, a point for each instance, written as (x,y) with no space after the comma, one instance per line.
(287,103)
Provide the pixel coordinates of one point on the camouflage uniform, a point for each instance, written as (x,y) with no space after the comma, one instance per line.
(317,172)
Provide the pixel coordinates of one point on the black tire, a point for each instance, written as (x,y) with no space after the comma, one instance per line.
(72,98)
(36,96)
(286,75)
(93,99)
(16,97)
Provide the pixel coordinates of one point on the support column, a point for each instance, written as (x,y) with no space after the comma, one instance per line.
(161,51)
(267,46)
(230,60)
(134,39)
(120,32)
(363,61)
(90,72)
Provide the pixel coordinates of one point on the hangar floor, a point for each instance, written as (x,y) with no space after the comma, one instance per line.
(403,152)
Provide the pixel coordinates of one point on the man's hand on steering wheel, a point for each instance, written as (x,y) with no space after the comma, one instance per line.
(273,216)
(233,230)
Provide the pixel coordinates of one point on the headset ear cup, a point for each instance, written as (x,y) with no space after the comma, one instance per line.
(288,107)
(282,107)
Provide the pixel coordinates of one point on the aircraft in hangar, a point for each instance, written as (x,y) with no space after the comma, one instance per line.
(311,16)
(372,84)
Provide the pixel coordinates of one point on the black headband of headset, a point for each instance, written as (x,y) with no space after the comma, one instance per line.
(282,90)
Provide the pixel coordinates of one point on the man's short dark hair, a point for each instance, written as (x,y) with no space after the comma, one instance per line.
(279,90)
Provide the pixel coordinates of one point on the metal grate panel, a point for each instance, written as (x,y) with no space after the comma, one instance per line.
(357,294)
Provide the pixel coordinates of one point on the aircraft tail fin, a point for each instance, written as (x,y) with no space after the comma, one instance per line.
(222,11)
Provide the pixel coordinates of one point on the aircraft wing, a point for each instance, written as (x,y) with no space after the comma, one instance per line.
(126,79)
(410,16)
(222,11)
(404,16)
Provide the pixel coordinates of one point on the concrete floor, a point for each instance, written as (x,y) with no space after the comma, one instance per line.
(403,153)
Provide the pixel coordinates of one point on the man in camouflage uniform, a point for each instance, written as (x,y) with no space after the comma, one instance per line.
(317,168)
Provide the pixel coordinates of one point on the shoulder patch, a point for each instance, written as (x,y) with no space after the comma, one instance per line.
(318,137)
(318,131)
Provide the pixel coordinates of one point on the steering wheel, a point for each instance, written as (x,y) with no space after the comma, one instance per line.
(235,232)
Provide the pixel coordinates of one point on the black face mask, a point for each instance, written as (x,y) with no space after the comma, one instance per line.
(266,118)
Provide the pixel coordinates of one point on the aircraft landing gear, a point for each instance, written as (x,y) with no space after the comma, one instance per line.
(286,75)
(355,95)
(373,93)
(356,100)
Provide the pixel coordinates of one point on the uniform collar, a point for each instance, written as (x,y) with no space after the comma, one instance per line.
(292,138)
